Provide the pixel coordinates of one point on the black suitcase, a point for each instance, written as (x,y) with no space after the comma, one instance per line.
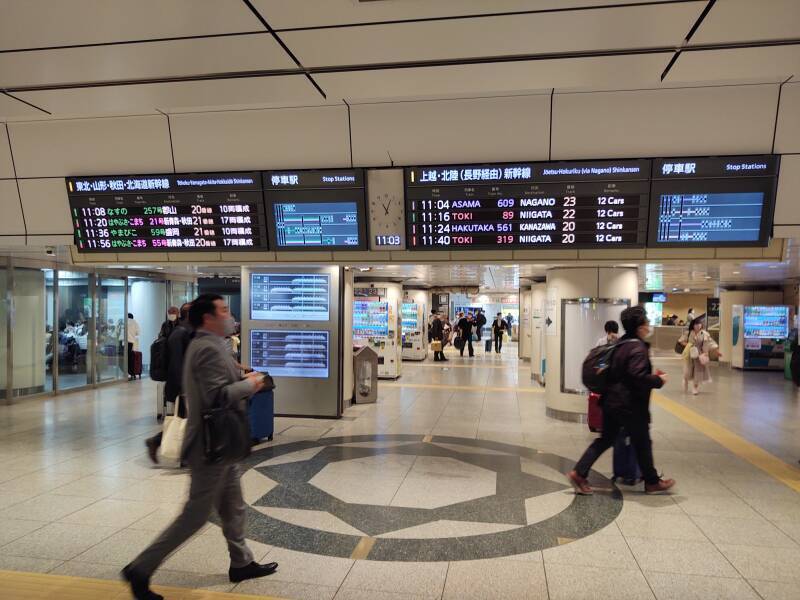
(262,416)
(488,345)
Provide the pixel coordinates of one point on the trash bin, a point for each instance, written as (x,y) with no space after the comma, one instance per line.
(365,375)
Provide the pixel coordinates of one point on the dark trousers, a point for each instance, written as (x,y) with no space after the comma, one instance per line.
(638,428)
(130,359)
(468,344)
(478,332)
(498,341)
(439,355)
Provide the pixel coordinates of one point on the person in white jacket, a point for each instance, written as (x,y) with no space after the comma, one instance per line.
(133,343)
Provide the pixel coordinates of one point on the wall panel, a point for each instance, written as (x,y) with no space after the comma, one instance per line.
(448,131)
(261,139)
(680,122)
(91,146)
(46,206)
(787,136)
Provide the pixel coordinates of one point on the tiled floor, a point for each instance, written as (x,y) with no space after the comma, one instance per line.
(78,496)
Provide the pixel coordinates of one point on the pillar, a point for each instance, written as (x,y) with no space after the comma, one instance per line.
(567,284)
(538,355)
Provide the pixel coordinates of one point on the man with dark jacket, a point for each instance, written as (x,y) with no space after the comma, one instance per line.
(177,343)
(437,335)
(465,325)
(627,404)
(480,321)
(167,327)
(498,326)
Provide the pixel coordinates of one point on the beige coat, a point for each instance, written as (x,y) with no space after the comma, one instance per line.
(693,369)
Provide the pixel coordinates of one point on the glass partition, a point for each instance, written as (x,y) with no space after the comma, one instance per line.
(110,326)
(180,293)
(33,331)
(74,310)
(3,327)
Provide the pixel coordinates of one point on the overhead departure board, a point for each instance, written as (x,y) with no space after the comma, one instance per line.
(316,209)
(721,201)
(185,212)
(595,204)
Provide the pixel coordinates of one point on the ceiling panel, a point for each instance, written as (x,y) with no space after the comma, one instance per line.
(136,61)
(787,203)
(787,136)
(667,122)
(500,129)
(12,222)
(6,164)
(307,13)
(91,147)
(773,64)
(178,97)
(44,23)
(262,139)
(13,109)
(46,206)
(621,71)
(738,20)
(635,27)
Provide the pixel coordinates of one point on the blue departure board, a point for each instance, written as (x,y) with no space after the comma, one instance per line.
(716,201)
(322,210)
(168,213)
(766,322)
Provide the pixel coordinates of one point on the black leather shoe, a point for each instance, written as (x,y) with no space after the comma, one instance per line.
(251,571)
(140,585)
(152,449)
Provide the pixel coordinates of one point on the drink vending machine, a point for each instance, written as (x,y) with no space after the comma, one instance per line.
(414,331)
(375,325)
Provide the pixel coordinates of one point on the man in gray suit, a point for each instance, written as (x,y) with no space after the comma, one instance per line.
(211,379)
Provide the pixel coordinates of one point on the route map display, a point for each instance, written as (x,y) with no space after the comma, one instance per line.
(174,213)
(287,353)
(713,201)
(587,204)
(289,297)
(316,209)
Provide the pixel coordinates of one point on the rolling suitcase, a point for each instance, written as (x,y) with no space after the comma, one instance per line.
(595,415)
(261,410)
(136,367)
(488,345)
(161,404)
(626,467)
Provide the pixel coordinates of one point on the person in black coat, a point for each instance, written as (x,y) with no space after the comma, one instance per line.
(480,321)
(465,326)
(499,325)
(173,314)
(626,404)
(177,343)
(437,335)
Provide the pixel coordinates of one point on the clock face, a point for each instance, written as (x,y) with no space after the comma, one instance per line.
(386,209)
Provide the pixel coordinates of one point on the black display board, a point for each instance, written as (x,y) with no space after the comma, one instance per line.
(586,204)
(313,210)
(719,201)
(172,212)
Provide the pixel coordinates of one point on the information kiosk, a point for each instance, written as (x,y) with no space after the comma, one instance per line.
(291,330)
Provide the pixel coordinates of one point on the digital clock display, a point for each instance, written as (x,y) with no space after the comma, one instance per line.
(174,213)
(530,205)
(388,240)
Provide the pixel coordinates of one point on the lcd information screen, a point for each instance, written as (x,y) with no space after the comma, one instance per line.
(766,322)
(188,212)
(287,353)
(289,297)
(316,209)
(727,201)
(584,204)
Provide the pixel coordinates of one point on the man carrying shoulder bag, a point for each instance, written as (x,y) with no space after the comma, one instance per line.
(212,385)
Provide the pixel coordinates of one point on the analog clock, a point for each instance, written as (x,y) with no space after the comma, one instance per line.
(386,209)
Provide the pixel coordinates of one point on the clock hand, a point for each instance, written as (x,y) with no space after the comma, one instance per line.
(386,208)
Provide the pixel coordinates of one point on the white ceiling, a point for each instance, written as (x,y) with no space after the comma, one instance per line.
(369,50)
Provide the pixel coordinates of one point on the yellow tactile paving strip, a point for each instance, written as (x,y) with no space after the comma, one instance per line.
(744,449)
(38,586)
(467,388)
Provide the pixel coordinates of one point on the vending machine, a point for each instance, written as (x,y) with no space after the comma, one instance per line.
(414,331)
(760,334)
(375,325)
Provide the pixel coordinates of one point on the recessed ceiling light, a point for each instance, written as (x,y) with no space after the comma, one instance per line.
(737,272)
(773,266)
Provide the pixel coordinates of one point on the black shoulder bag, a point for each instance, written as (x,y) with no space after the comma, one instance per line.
(226,435)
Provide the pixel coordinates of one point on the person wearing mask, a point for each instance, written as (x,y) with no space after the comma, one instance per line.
(465,326)
(438,335)
(210,379)
(133,343)
(499,325)
(627,404)
(480,321)
(697,355)
(177,343)
(171,323)
(611,334)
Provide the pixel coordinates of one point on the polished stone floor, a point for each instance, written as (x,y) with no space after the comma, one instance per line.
(448,487)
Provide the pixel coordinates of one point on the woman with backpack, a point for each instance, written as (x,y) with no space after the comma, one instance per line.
(697,355)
